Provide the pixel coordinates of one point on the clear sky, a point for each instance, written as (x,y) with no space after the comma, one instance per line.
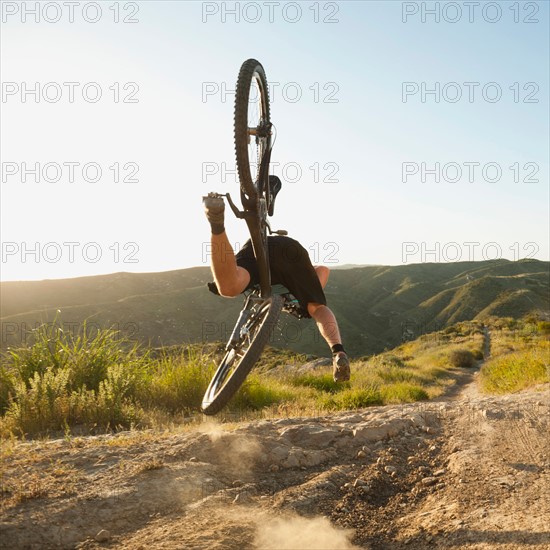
(368,99)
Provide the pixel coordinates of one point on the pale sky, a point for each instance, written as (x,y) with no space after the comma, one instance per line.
(372,101)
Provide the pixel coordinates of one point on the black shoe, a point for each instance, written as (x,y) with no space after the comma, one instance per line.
(274,187)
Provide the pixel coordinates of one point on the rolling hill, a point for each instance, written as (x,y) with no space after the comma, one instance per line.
(377,306)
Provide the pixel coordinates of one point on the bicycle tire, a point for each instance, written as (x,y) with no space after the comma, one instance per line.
(216,398)
(250,70)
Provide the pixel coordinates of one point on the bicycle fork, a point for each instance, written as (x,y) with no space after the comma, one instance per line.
(244,315)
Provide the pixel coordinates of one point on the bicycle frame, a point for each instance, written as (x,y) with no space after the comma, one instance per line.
(255,215)
(258,225)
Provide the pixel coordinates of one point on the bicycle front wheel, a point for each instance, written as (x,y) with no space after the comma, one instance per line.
(252,124)
(239,360)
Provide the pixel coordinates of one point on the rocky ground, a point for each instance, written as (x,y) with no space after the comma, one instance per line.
(470,471)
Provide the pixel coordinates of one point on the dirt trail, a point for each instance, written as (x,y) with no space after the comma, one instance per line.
(468,472)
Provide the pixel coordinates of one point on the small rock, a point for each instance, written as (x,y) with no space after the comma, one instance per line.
(274,468)
(462,480)
(361,454)
(390,469)
(360,483)
(438,473)
(241,497)
(193,459)
(427,481)
(433,448)
(103,536)
(411,459)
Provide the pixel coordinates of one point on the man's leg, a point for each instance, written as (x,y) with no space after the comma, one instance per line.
(230,278)
(326,322)
(328,327)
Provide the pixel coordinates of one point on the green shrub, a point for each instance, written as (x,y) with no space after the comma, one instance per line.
(176,384)
(462,358)
(7,388)
(478,355)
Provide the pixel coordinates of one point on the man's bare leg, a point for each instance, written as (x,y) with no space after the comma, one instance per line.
(328,327)
(230,278)
(326,323)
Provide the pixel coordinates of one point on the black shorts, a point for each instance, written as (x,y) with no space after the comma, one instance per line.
(290,266)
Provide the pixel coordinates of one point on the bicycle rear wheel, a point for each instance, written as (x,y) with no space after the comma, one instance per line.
(239,360)
(252,125)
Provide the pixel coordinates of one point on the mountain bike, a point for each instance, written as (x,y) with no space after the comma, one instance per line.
(254,138)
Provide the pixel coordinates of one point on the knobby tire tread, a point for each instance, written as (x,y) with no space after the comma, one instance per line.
(244,80)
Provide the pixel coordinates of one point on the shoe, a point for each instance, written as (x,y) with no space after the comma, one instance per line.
(214,208)
(340,367)
(275,185)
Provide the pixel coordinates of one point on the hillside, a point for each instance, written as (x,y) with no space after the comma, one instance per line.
(377,306)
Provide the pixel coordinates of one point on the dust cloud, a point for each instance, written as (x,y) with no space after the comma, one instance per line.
(290,533)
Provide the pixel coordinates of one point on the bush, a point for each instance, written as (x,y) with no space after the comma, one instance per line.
(462,358)
(7,388)
(478,354)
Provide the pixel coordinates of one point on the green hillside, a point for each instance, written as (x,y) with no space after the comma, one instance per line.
(377,306)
